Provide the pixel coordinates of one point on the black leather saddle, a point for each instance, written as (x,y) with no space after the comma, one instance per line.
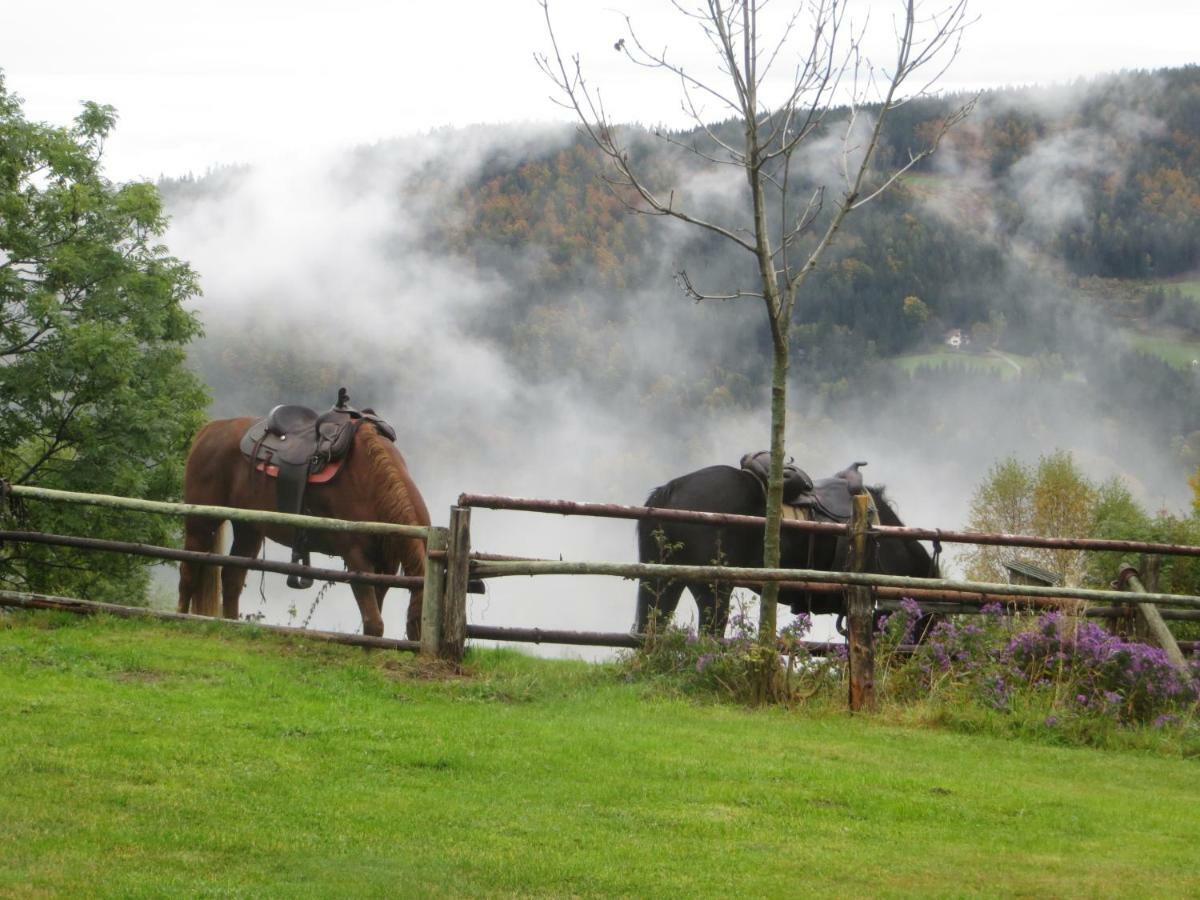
(297,445)
(828,499)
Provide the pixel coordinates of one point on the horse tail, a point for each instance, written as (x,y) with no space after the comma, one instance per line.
(649,549)
(206,601)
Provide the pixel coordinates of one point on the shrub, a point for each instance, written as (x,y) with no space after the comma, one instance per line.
(1050,673)
(728,667)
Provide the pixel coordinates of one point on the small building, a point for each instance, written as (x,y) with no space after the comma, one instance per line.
(956,338)
(1027,573)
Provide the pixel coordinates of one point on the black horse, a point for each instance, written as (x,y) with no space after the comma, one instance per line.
(724,489)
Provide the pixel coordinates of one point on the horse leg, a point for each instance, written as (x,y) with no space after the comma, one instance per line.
(657,599)
(356,560)
(412,622)
(247,542)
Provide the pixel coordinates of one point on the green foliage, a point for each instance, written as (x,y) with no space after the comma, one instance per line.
(1051,499)
(92,335)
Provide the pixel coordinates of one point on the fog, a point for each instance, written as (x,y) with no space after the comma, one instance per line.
(329,267)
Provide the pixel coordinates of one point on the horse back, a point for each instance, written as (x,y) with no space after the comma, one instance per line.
(213,462)
(721,489)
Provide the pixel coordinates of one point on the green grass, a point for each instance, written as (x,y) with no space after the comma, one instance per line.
(1178,353)
(151,760)
(1189,287)
(944,357)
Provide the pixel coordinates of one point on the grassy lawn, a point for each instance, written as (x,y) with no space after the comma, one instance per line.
(150,760)
(1178,353)
(944,357)
(1190,287)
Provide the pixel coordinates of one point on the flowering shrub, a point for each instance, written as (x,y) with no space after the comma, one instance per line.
(729,666)
(1069,664)
(1100,672)
(1048,673)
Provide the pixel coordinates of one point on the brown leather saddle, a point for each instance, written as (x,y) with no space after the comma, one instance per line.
(298,446)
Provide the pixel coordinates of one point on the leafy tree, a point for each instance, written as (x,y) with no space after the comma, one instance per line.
(93,385)
(1052,499)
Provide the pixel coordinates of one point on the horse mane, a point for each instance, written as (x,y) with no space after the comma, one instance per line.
(393,503)
(879,493)
(888,516)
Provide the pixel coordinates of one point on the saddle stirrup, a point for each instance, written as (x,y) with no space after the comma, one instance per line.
(300,555)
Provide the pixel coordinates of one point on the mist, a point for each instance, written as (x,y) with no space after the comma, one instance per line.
(330,269)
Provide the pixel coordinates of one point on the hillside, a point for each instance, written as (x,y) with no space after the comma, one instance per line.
(142,760)
(1058,225)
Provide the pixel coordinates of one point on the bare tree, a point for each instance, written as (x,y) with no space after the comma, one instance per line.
(831,88)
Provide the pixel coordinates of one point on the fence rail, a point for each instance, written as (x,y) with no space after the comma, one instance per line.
(217,559)
(738,575)
(22,600)
(234,514)
(615,511)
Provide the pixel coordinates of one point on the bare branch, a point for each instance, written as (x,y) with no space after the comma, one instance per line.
(685,284)
(596,125)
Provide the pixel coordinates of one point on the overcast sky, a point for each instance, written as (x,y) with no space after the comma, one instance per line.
(233,81)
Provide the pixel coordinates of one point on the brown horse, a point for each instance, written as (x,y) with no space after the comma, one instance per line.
(373,485)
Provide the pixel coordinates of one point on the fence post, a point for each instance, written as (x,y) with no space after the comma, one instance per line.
(860,625)
(454,600)
(1149,619)
(435,583)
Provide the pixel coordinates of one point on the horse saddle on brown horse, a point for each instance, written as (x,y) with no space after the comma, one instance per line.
(298,446)
(829,499)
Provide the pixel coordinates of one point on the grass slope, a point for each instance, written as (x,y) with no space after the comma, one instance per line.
(1173,350)
(1004,365)
(150,760)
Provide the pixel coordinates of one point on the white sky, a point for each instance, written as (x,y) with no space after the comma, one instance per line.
(231,81)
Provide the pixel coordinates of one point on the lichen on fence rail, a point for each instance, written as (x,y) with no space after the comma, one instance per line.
(741,575)
(616,511)
(218,512)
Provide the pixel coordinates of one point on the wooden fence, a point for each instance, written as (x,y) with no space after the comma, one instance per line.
(861,587)
(452,567)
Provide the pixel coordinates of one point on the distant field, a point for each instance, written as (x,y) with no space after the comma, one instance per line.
(947,358)
(1190,287)
(1177,353)
(173,760)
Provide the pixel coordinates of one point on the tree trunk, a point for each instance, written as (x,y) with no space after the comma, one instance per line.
(774,515)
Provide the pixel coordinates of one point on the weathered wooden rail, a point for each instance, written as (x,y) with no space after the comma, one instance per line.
(152,551)
(235,514)
(616,511)
(23,600)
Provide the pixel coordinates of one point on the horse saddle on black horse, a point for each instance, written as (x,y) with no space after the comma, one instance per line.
(828,500)
(298,446)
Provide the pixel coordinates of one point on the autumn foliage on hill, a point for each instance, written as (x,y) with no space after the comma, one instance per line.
(559,208)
